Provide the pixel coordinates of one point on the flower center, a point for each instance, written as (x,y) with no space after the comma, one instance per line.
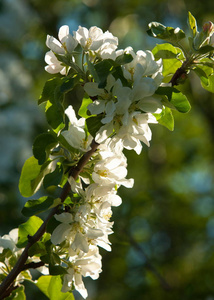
(89,42)
(103,173)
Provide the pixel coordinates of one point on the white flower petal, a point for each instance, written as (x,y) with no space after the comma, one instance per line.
(63,32)
(60,233)
(54,45)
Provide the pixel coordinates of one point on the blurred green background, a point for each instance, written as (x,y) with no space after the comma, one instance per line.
(163,245)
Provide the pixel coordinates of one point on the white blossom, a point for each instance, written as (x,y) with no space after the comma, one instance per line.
(54,66)
(111,169)
(136,130)
(65,44)
(9,241)
(94,38)
(82,265)
(143,64)
(76,135)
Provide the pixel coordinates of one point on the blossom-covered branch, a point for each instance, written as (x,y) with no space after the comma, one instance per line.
(120,93)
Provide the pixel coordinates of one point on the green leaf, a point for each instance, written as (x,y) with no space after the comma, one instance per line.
(103,69)
(51,286)
(169,34)
(180,101)
(210,86)
(52,224)
(55,115)
(165,118)
(167,51)
(18,294)
(172,57)
(83,111)
(192,24)
(68,83)
(51,258)
(53,178)
(57,270)
(170,66)
(117,72)
(174,99)
(94,124)
(30,171)
(205,49)
(42,146)
(48,92)
(206,75)
(123,59)
(202,75)
(32,175)
(33,207)
(27,229)
(91,69)
(37,249)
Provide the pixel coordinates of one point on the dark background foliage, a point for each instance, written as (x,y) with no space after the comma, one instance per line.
(163,243)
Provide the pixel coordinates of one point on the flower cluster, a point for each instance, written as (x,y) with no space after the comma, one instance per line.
(118,93)
(125,105)
(93,41)
(87,225)
(126,110)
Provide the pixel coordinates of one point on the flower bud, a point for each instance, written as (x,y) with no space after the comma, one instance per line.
(208,28)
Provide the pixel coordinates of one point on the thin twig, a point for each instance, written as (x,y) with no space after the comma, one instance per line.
(33,265)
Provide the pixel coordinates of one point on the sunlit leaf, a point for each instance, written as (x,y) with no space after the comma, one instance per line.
(30,171)
(169,34)
(83,111)
(167,51)
(32,176)
(27,229)
(165,118)
(210,86)
(206,75)
(175,99)
(51,286)
(192,24)
(202,75)
(170,66)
